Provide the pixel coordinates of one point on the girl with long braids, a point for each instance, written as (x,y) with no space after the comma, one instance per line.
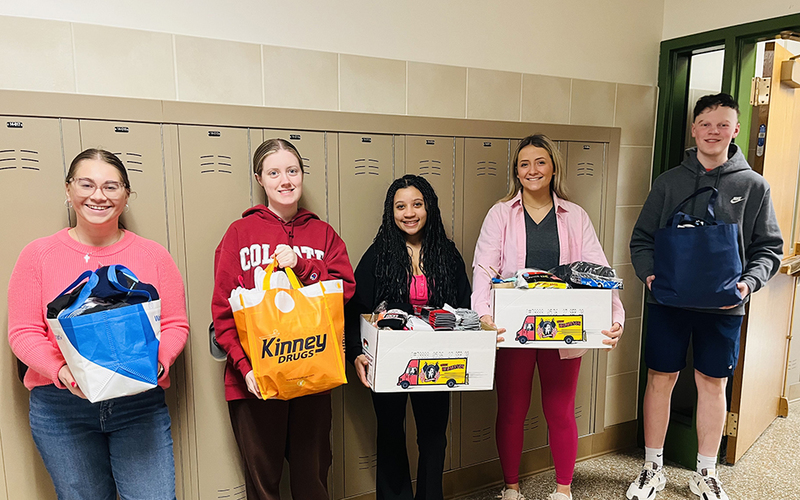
(410,261)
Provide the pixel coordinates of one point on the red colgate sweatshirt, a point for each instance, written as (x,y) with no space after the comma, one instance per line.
(249,242)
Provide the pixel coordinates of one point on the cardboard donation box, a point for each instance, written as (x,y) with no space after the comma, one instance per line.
(425,360)
(553,318)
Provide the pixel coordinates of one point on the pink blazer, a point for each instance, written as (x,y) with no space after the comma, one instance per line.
(501,245)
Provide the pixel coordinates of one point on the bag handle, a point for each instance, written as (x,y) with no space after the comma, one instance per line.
(712,201)
(112,278)
(85,292)
(289,273)
(75,283)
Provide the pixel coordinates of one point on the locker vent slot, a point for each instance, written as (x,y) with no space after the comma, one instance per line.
(222,162)
(366,462)
(25,156)
(306,166)
(364,166)
(430,167)
(530,423)
(137,164)
(482,434)
(235,493)
(585,168)
(487,168)
(578,411)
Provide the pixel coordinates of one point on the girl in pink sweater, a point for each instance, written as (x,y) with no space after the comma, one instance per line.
(119,446)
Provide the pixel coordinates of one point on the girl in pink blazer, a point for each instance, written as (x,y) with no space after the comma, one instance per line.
(534,226)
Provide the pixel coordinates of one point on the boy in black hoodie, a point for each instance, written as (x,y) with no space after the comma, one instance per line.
(744,199)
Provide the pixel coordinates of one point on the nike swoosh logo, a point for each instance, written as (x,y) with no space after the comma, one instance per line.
(736,199)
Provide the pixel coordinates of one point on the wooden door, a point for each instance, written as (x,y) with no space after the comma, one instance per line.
(758,381)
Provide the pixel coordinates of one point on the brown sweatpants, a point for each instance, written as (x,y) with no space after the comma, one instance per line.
(299,430)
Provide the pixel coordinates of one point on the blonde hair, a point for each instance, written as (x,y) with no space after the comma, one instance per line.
(557,183)
(269,147)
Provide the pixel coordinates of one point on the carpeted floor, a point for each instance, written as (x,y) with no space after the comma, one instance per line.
(769,470)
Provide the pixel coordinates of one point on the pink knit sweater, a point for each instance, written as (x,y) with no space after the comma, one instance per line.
(48,265)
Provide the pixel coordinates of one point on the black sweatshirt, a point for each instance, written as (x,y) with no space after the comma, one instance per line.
(366,300)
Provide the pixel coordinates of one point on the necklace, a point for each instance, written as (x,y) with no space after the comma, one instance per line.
(89,254)
(538,208)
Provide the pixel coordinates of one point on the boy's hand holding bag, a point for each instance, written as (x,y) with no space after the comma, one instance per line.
(108,330)
(292,336)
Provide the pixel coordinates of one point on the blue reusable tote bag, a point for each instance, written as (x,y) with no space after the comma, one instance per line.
(696,260)
(112,352)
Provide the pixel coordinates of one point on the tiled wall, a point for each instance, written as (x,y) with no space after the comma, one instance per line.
(88,59)
(634,113)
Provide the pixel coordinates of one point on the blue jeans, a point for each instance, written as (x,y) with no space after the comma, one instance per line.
(94,450)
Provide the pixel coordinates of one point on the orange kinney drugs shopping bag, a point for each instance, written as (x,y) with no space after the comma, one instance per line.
(292,336)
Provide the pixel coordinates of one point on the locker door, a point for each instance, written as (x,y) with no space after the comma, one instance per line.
(139,146)
(311,146)
(360,435)
(365,172)
(433,158)
(32,186)
(485,182)
(215,176)
(584,400)
(478,415)
(585,173)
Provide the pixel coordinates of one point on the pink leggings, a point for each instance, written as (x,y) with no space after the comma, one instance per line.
(559,380)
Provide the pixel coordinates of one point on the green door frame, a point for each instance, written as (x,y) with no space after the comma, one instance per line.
(674,67)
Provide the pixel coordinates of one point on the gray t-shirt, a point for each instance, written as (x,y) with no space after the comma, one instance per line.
(542,249)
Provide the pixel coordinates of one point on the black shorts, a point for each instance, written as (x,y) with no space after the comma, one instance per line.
(715,340)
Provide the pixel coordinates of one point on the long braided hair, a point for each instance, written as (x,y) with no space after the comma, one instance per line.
(439,260)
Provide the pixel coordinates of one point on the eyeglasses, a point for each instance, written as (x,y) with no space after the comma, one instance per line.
(87,187)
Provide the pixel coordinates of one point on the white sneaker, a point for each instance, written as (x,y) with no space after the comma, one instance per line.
(559,496)
(649,482)
(509,494)
(707,486)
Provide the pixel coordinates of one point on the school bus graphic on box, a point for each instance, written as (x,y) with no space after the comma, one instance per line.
(443,371)
(552,328)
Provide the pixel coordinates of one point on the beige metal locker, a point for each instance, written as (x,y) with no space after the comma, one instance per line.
(215,178)
(366,168)
(478,416)
(485,182)
(434,159)
(32,186)
(585,172)
(140,148)
(360,435)
(585,395)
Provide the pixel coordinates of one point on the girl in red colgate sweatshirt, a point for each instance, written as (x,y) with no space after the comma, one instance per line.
(297,429)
